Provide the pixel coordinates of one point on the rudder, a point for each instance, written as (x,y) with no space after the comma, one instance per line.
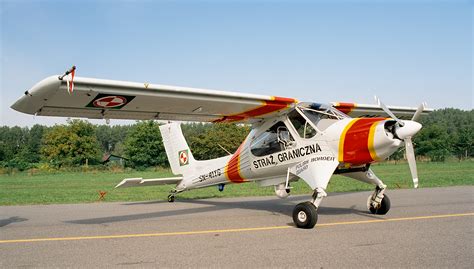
(179,155)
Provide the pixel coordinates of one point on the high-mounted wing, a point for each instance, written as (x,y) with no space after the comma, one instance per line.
(370,111)
(110,99)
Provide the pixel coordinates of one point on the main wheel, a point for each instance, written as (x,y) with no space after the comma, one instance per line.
(305,215)
(384,206)
(171,198)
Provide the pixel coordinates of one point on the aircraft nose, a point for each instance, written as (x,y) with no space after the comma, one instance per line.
(409,129)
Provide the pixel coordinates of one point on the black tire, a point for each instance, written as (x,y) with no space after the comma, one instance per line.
(384,207)
(305,215)
(171,198)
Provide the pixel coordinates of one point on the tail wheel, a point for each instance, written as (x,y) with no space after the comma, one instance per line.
(305,215)
(382,209)
(171,198)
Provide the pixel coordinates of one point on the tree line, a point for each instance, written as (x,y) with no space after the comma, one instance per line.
(80,143)
(446,133)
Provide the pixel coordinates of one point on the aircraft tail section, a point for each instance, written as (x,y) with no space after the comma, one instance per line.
(179,155)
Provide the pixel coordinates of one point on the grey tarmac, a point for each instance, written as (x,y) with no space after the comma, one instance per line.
(432,227)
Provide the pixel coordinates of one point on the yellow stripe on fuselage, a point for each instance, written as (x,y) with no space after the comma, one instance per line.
(371,141)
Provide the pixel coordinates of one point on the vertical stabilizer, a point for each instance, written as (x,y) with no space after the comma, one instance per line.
(179,155)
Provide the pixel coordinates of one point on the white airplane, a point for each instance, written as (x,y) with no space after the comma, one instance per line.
(289,140)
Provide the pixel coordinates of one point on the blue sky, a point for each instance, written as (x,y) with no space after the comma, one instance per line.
(405,52)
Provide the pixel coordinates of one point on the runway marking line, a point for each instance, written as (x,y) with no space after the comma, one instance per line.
(227,230)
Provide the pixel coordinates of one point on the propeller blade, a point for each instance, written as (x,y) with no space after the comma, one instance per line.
(411,160)
(418,112)
(381,105)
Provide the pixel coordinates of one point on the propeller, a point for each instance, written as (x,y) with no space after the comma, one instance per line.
(418,112)
(404,131)
(385,108)
(411,161)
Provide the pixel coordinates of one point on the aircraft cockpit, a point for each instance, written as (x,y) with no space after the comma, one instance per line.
(305,120)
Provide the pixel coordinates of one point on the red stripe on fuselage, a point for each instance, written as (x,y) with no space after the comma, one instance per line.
(232,169)
(276,104)
(356,141)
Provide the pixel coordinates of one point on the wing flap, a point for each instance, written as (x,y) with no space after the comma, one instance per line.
(140,182)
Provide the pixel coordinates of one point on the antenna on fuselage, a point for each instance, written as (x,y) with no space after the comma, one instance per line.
(224,149)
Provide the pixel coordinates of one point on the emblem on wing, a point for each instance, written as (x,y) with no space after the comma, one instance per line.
(110,101)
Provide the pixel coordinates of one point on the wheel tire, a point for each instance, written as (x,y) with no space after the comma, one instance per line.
(170,198)
(384,206)
(305,215)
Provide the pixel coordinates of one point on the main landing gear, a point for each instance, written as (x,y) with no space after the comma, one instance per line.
(305,215)
(379,203)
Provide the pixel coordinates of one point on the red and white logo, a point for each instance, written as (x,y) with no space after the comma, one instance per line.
(183,157)
(110,101)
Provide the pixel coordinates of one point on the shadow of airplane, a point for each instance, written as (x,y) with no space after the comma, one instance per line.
(5,222)
(274,206)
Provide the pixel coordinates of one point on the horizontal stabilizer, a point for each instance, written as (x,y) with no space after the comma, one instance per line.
(140,182)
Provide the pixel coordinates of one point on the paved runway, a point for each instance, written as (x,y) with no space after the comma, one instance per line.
(425,228)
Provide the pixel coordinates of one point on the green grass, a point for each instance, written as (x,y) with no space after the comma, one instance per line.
(83,187)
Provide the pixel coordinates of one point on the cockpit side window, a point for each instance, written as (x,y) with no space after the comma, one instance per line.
(302,126)
(276,138)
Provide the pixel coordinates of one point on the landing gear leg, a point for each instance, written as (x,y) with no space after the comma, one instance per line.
(172,195)
(379,203)
(305,215)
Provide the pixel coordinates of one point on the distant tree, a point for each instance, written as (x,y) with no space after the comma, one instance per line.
(15,149)
(5,144)
(209,142)
(446,132)
(110,136)
(12,139)
(34,142)
(144,147)
(119,149)
(104,137)
(434,142)
(464,143)
(71,144)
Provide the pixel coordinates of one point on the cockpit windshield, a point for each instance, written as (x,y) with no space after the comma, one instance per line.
(319,111)
(321,116)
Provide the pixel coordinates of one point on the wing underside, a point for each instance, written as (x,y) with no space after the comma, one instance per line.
(109,99)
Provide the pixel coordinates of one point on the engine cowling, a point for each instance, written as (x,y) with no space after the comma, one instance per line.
(281,191)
